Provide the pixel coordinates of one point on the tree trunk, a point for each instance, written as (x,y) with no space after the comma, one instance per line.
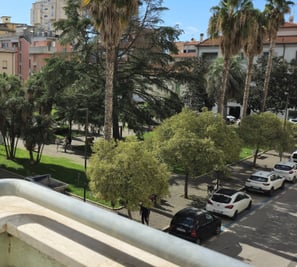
(31,155)
(247,87)
(110,57)
(186,185)
(221,104)
(129,213)
(255,156)
(267,74)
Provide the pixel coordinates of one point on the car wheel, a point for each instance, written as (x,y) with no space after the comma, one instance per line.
(283,185)
(271,191)
(249,206)
(198,241)
(218,230)
(235,215)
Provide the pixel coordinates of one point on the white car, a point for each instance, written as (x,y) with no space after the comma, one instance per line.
(294,156)
(265,182)
(293,120)
(228,202)
(288,170)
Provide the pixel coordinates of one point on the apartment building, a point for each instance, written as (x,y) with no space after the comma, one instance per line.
(44,13)
(285,45)
(24,48)
(209,49)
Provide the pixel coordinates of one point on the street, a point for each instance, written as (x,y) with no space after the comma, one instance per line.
(264,236)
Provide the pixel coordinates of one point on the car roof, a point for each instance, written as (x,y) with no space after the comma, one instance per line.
(287,163)
(190,211)
(262,173)
(226,191)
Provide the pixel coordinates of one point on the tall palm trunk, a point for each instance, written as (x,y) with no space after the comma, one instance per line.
(267,74)
(110,57)
(221,104)
(247,85)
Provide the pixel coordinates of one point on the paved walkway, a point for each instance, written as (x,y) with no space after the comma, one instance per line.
(161,215)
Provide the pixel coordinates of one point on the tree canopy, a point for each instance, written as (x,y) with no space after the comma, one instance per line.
(265,131)
(126,171)
(195,143)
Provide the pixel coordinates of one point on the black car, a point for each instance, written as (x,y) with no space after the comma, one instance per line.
(194,224)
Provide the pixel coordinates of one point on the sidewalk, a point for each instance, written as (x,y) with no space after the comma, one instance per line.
(197,191)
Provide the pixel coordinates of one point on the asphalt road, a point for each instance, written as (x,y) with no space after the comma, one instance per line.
(266,235)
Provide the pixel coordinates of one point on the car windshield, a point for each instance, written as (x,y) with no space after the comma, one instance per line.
(282,167)
(221,198)
(187,221)
(294,156)
(259,178)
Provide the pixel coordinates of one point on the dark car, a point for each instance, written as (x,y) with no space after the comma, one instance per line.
(194,224)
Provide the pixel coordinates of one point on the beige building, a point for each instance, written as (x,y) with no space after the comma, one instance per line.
(45,12)
(7,61)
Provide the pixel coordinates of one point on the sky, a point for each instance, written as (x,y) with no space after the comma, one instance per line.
(192,16)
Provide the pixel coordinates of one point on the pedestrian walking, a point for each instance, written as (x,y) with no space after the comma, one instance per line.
(145,214)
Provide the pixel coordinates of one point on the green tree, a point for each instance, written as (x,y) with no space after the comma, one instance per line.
(111,18)
(253,45)
(235,80)
(195,143)
(275,11)
(195,94)
(282,81)
(128,172)
(12,100)
(227,22)
(37,133)
(262,131)
(143,73)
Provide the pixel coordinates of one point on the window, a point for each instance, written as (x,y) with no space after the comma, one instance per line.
(238,198)
(209,218)
(4,64)
(259,179)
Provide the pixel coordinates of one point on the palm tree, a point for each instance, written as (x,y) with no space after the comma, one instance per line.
(235,79)
(111,19)
(275,11)
(253,45)
(227,22)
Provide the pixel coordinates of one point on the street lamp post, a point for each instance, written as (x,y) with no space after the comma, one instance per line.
(86,150)
(86,147)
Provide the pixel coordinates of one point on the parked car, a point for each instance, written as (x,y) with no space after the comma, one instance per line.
(293,156)
(265,182)
(230,119)
(194,224)
(229,202)
(287,169)
(293,120)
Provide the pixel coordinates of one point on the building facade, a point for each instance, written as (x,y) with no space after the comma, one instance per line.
(24,49)
(44,13)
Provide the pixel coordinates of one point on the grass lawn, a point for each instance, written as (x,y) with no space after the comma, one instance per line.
(60,168)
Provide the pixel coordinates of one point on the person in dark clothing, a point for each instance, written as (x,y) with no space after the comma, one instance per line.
(145,214)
